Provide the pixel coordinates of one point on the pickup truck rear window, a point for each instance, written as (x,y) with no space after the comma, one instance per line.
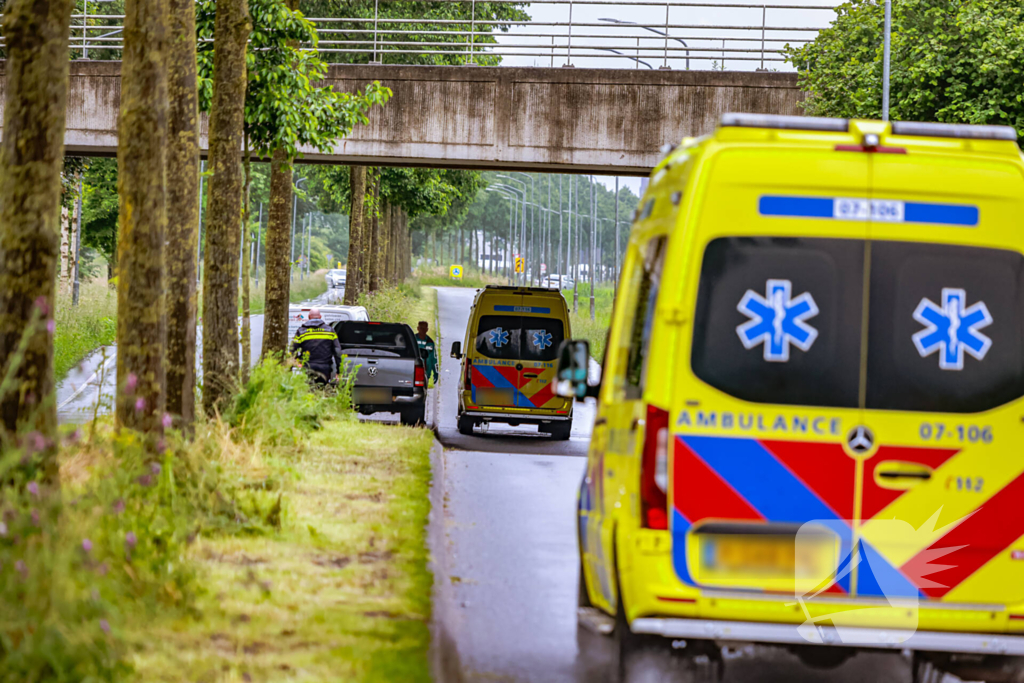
(393,337)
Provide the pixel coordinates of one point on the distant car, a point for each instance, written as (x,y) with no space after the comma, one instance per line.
(335,278)
(555,281)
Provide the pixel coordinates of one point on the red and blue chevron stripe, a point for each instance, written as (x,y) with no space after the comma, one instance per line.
(506,377)
(792,482)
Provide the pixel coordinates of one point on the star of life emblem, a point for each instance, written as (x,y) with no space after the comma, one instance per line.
(777,320)
(498,337)
(542,340)
(952,329)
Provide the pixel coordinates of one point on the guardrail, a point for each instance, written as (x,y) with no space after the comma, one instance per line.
(570,33)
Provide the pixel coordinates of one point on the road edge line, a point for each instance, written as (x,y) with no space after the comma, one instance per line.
(444,656)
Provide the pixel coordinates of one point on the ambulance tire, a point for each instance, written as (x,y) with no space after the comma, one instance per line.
(925,672)
(560,431)
(465,425)
(644,658)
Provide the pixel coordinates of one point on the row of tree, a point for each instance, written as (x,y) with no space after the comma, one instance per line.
(258,86)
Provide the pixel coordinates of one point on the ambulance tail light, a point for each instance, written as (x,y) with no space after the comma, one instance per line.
(468,378)
(654,470)
(420,379)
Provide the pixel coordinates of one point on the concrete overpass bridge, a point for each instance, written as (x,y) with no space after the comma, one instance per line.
(611,121)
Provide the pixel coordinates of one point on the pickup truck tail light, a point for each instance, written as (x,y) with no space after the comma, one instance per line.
(654,470)
(420,379)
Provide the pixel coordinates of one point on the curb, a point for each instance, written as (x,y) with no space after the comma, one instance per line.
(444,657)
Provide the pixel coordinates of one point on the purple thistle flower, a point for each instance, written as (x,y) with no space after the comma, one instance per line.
(140,404)
(21,568)
(155,468)
(145,480)
(42,305)
(167,421)
(51,325)
(161,445)
(3,529)
(131,383)
(102,569)
(39,442)
(35,518)
(130,540)
(33,488)
(118,506)
(104,626)
(74,436)
(86,546)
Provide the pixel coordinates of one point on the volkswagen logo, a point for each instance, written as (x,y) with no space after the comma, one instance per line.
(371,371)
(860,439)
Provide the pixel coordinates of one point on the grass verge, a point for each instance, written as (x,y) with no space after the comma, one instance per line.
(341,593)
(285,541)
(81,329)
(594,331)
(471,277)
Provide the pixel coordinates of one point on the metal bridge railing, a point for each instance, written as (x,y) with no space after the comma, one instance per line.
(570,33)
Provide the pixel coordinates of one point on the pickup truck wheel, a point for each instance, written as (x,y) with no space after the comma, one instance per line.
(560,431)
(465,425)
(414,416)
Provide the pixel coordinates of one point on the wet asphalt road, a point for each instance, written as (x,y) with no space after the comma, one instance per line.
(94,380)
(507,587)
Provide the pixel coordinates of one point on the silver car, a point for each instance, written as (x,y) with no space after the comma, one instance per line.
(335,278)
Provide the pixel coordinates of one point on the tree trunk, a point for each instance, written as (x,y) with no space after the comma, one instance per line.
(246,330)
(224,206)
(374,241)
(183,220)
(31,157)
(356,258)
(385,243)
(277,256)
(141,183)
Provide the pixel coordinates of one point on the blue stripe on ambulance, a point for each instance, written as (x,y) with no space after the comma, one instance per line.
(905,212)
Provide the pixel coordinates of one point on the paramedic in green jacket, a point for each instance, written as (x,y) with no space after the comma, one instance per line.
(428,350)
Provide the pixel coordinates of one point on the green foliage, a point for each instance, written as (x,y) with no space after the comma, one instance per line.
(100,208)
(392,304)
(450,16)
(594,331)
(278,407)
(284,107)
(952,61)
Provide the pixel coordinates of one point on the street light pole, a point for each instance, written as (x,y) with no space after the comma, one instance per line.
(615,271)
(593,244)
(887,42)
(295,208)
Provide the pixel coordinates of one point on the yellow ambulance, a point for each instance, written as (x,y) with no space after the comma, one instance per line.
(508,364)
(810,425)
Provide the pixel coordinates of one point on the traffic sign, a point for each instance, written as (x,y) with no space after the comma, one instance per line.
(520,264)
(455,272)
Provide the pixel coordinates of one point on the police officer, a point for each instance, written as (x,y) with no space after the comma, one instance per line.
(318,340)
(428,351)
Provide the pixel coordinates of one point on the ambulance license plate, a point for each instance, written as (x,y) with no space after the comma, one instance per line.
(761,555)
(495,397)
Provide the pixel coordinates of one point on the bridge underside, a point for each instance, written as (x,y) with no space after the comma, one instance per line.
(553,119)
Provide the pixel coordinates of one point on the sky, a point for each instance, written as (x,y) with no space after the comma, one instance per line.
(717,36)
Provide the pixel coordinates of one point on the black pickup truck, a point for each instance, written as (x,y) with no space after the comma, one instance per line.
(391,375)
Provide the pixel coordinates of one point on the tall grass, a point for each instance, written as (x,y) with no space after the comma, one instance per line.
(594,331)
(392,304)
(471,277)
(81,329)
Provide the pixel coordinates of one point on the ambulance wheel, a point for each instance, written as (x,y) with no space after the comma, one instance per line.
(647,658)
(560,430)
(465,425)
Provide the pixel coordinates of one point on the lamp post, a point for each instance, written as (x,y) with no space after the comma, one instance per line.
(522,231)
(593,244)
(887,42)
(660,33)
(531,246)
(513,207)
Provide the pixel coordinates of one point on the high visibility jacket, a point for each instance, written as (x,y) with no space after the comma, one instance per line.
(318,340)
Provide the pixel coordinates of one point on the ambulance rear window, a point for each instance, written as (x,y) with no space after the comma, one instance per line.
(508,337)
(778,320)
(946,326)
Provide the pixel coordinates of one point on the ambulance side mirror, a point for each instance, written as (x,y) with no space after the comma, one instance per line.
(457,350)
(573,370)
